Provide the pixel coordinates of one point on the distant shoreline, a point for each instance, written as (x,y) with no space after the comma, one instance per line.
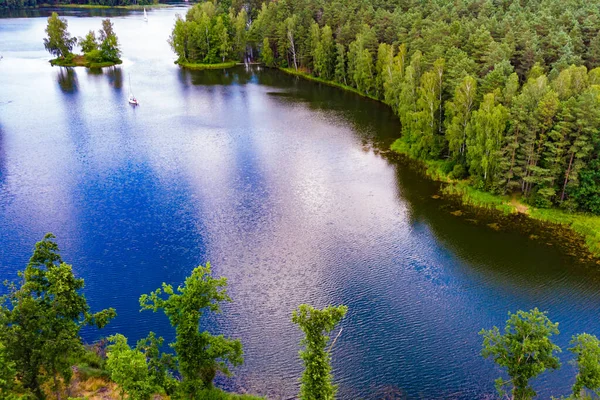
(90,6)
(200,66)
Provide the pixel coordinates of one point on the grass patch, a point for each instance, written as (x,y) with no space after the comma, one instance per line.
(310,77)
(81,61)
(98,6)
(218,394)
(478,198)
(199,66)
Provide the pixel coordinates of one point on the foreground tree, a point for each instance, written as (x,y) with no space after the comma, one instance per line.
(128,369)
(59,42)
(525,350)
(316,324)
(160,364)
(200,355)
(586,348)
(41,319)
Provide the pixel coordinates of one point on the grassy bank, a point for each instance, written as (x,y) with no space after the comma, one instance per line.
(82,61)
(91,6)
(310,77)
(199,67)
(90,383)
(588,226)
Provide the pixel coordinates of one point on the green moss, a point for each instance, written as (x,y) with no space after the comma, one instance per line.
(199,66)
(310,77)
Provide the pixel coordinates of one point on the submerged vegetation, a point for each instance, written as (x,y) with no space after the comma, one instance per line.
(97,52)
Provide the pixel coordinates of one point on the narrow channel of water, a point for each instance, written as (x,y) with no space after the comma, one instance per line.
(279,183)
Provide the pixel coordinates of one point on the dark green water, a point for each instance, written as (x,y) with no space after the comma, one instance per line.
(282,185)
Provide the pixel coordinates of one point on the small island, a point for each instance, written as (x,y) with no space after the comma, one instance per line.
(97,52)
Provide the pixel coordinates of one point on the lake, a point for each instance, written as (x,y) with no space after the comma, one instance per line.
(286,187)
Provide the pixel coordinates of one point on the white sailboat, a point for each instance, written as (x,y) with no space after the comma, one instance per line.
(132,99)
(145,15)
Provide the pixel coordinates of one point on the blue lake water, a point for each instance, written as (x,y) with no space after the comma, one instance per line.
(285,187)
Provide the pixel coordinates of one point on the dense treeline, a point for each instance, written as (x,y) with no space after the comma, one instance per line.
(504,92)
(210,34)
(40,344)
(57,3)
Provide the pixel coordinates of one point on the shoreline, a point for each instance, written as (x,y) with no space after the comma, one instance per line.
(81,61)
(309,77)
(98,6)
(200,66)
(586,226)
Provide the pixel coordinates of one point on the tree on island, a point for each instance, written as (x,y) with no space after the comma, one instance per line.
(59,42)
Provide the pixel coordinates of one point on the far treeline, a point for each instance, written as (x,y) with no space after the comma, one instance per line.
(42,354)
(504,93)
(15,4)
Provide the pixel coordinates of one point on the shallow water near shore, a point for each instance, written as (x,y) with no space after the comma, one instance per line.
(283,185)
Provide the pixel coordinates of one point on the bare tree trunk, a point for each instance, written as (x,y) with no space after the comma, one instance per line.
(562,196)
(293,48)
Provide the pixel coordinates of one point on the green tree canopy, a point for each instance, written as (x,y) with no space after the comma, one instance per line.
(200,355)
(42,317)
(317,380)
(524,350)
(59,42)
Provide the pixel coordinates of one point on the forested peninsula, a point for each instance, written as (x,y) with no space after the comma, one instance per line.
(500,98)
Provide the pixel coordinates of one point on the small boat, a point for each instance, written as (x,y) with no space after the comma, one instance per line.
(145,15)
(132,99)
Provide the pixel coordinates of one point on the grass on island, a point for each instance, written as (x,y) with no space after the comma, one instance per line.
(90,6)
(586,225)
(199,66)
(310,77)
(82,61)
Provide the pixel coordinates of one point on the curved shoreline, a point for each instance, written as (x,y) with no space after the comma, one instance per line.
(584,225)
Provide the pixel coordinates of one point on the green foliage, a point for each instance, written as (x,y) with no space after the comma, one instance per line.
(128,369)
(586,348)
(41,319)
(159,364)
(59,42)
(267,54)
(200,355)
(525,350)
(316,324)
(209,34)
(7,373)
(109,43)
(89,43)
